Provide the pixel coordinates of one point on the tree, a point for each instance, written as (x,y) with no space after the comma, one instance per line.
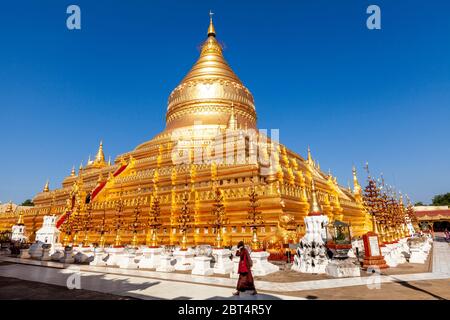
(441,200)
(417,204)
(28,203)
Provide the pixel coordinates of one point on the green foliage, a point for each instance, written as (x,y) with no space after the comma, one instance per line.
(442,200)
(28,203)
(417,204)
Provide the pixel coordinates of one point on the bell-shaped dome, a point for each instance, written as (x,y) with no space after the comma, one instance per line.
(209,92)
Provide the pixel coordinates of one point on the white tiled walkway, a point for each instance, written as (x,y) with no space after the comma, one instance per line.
(124,285)
(151,284)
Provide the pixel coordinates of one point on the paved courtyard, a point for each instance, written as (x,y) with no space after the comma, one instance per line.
(16,289)
(428,281)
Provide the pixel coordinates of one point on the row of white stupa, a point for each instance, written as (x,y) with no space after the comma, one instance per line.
(311,254)
(48,248)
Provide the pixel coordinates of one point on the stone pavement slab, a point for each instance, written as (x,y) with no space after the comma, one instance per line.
(137,287)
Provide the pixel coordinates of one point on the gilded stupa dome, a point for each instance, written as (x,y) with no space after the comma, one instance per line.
(209,92)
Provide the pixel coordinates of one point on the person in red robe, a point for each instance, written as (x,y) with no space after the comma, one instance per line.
(245,281)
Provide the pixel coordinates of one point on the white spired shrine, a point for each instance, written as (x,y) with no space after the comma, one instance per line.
(48,233)
(312,252)
(18,230)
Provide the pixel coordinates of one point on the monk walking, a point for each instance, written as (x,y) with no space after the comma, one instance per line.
(245,281)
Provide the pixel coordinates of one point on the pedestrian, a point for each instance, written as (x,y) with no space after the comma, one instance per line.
(245,281)
(288,256)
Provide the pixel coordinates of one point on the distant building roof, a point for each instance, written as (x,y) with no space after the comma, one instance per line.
(432,213)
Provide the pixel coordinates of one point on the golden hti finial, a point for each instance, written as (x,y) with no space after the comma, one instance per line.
(375,224)
(315,208)
(109,161)
(356,186)
(309,158)
(46,187)
(72,173)
(211,30)
(20,220)
(100,156)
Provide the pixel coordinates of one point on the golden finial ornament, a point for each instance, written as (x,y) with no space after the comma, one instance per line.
(100,156)
(72,173)
(356,185)
(20,221)
(46,187)
(315,206)
(211,30)
(309,157)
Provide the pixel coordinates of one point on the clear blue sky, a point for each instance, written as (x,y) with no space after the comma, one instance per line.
(315,70)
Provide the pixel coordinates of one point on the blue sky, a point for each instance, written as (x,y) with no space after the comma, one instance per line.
(315,70)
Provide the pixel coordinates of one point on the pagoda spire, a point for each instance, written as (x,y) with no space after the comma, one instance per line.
(72,173)
(46,187)
(356,185)
(20,220)
(315,209)
(100,157)
(211,29)
(310,160)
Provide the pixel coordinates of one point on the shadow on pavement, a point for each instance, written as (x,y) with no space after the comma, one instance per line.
(408,285)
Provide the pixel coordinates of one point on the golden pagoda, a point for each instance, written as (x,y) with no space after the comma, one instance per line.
(210,137)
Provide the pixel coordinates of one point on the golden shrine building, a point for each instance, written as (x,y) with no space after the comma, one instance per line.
(210,141)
